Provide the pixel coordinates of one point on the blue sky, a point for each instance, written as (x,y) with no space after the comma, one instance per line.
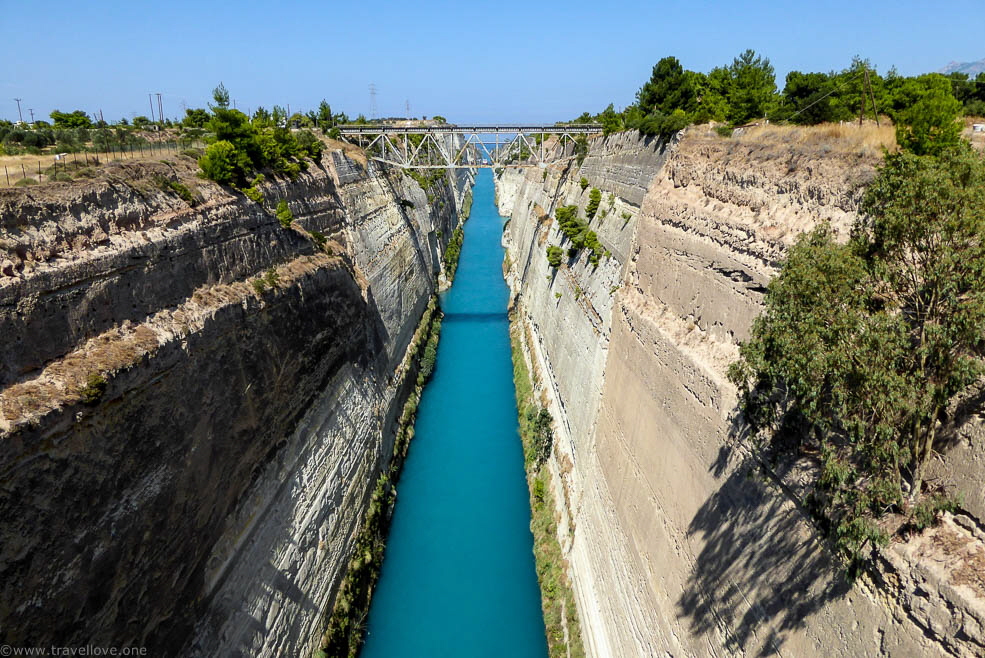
(469,61)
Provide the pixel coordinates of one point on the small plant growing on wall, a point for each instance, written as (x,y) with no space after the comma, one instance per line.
(284,214)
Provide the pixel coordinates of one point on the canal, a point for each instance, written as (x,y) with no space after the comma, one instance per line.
(458,577)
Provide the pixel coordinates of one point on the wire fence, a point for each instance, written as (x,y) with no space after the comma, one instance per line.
(25,170)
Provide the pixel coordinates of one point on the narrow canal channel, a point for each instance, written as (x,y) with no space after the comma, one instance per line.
(458,577)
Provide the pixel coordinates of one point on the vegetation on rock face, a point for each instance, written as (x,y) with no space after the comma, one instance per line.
(554,255)
(345,625)
(557,598)
(577,231)
(284,214)
(863,347)
(94,389)
(594,199)
(452,252)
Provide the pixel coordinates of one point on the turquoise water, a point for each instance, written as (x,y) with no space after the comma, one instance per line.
(458,577)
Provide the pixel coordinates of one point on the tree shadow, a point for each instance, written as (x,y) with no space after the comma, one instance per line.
(761,570)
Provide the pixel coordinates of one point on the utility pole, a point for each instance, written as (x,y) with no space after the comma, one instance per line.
(19,116)
(872,95)
(372,100)
(160,109)
(151,101)
(31,110)
(407,106)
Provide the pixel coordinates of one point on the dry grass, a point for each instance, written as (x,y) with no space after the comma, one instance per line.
(828,137)
(15,167)
(351,151)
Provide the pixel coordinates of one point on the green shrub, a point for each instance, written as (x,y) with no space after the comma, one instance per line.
(93,390)
(453,252)
(724,130)
(259,286)
(554,255)
(583,183)
(271,277)
(223,163)
(594,199)
(284,214)
(253,194)
(24,182)
(577,231)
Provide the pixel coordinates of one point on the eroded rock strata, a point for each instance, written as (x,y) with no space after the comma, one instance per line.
(676,545)
(202,498)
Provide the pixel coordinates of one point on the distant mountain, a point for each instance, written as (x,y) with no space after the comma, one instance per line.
(971,68)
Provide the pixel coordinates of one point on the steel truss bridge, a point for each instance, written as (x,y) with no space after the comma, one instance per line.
(467,146)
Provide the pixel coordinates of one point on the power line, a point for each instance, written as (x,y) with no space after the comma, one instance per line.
(804,109)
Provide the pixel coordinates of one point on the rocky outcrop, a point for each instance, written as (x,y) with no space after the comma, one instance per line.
(199,495)
(676,544)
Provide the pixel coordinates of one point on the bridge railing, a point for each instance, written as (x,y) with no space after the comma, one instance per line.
(501,128)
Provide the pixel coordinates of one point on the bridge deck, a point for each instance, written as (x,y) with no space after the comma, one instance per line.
(473,129)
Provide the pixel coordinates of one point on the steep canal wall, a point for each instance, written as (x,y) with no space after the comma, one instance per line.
(195,401)
(674,543)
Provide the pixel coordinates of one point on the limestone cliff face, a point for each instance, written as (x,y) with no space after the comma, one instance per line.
(676,546)
(204,503)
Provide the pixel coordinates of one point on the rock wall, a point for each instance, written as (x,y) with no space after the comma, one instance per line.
(676,545)
(204,502)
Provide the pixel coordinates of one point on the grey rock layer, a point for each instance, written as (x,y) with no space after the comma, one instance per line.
(206,505)
(675,546)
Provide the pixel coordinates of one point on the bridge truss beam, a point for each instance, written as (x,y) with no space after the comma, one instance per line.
(435,147)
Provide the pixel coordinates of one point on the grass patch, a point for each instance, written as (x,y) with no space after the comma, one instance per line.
(94,389)
(557,597)
(168,185)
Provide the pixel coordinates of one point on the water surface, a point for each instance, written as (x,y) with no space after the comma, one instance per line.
(458,577)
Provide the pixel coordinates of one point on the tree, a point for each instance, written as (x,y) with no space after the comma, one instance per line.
(669,88)
(752,87)
(611,120)
(325,117)
(76,119)
(807,98)
(862,347)
(195,118)
(221,96)
(931,125)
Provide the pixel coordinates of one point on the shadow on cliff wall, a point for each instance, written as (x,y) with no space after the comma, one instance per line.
(761,571)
